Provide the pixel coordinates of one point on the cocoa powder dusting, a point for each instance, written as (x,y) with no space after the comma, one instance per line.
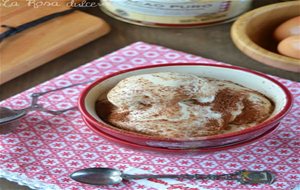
(119,116)
(249,114)
(226,99)
(104,110)
(213,125)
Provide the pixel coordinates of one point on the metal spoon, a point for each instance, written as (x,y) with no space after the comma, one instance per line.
(9,115)
(109,176)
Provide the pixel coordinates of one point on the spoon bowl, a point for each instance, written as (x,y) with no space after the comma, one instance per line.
(97,176)
(8,115)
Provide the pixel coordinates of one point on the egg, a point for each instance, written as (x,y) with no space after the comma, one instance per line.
(290,46)
(288,28)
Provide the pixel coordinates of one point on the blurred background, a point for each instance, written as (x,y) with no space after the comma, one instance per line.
(212,42)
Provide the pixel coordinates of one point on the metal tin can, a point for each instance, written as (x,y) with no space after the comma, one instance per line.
(175,13)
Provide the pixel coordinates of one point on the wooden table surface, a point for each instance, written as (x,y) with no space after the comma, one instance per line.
(211,42)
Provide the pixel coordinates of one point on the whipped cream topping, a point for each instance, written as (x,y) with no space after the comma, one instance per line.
(159,88)
(184,106)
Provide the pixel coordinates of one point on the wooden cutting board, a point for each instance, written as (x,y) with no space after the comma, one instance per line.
(40,44)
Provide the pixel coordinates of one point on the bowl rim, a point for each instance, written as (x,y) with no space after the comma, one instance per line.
(101,124)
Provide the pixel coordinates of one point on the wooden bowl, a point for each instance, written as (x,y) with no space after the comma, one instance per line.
(252,33)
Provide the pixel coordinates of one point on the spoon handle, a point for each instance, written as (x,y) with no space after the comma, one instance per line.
(36,106)
(242,176)
(37,94)
(182,176)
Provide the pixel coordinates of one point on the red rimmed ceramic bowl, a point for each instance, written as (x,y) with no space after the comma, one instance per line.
(268,86)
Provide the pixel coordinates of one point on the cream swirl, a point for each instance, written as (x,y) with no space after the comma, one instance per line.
(183,106)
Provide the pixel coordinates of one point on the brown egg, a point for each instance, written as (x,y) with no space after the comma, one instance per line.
(290,46)
(288,28)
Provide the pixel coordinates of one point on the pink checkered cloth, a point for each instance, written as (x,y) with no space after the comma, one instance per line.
(44,149)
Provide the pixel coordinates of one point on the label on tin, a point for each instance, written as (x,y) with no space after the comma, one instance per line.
(175,11)
(173,8)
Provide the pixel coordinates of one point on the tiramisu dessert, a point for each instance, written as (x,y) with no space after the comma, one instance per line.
(182,106)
